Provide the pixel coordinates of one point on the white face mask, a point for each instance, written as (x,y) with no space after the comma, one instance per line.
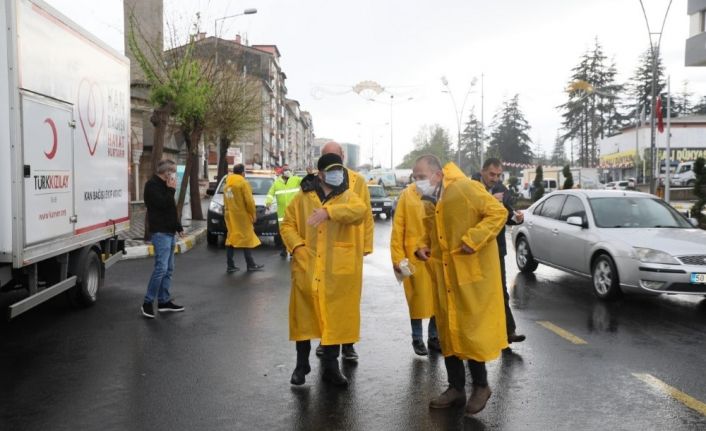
(425,187)
(287,173)
(334,178)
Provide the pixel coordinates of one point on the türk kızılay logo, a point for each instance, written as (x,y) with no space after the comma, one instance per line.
(90,112)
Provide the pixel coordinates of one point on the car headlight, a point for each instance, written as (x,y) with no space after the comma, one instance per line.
(387,204)
(649,255)
(215,207)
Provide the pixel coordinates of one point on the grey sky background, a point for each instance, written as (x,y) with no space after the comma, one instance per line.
(521,47)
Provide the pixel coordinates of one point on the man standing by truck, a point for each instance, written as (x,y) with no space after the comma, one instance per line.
(283,190)
(164,225)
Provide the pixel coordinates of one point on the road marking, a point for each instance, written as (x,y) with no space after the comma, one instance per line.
(563,333)
(670,391)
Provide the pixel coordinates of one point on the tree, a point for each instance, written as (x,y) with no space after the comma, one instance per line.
(640,85)
(509,139)
(538,184)
(559,153)
(235,109)
(568,178)
(429,140)
(471,141)
(681,102)
(700,192)
(700,107)
(591,111)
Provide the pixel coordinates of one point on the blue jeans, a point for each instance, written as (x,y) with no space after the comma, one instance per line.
(161,279)
(418,332)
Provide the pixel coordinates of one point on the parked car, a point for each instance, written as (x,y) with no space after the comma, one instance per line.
(380,201)
(266,224)
(624,241)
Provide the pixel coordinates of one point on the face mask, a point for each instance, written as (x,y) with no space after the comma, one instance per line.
(425,187)
(287,173)
(334,178)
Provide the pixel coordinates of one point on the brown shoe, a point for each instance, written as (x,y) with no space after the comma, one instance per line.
(479,397)
(450,397)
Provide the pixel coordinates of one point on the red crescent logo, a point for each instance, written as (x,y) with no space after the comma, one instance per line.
(50,155)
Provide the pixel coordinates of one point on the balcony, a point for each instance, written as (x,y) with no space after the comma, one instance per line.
(695,54)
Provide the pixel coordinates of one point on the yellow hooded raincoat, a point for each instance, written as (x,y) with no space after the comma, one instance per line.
(359,186)
(407,231)
(239,213)
(326,284)
(468,299)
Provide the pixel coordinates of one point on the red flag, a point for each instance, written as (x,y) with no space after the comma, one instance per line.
(658,111)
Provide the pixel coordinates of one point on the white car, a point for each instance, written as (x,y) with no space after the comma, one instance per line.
(624,241)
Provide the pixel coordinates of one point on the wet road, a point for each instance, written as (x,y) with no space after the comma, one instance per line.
(225,363)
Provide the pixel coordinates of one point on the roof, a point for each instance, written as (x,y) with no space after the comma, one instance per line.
(272,49)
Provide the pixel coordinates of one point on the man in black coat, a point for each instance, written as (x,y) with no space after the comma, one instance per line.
(490,176)
(164,225)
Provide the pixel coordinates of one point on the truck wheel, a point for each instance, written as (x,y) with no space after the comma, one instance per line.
(211,238)
(90,280)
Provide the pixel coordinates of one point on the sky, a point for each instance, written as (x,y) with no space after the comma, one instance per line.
(520,47)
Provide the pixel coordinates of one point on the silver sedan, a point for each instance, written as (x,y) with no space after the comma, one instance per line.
(624,241)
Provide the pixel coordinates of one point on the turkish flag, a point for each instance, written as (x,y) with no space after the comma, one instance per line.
(658,112)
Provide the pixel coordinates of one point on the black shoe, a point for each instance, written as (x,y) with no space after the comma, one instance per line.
(232,269)
(333,375)
(319,350)
(169,306)
(434,344)
(299,375)
(255,267)
(348,353)
(283,253)
(148,310)
(515,338)
(419,347)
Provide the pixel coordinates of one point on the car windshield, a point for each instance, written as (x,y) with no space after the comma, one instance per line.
(377,192)
(259,185)
(635,212)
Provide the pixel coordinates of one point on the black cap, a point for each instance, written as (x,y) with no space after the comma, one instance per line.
(328,161)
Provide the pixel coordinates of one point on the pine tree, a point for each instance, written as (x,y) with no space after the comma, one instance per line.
(640,85)
(700,107)
(509,139)
(568,178)
(558,154)
(471,140)
(538,184)
(681,102)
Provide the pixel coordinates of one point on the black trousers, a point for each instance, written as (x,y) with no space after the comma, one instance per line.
(457,373)
(509,319)
(329,359)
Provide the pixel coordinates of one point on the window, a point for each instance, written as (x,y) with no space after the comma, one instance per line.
(552,206)
(573,207)
(636,212)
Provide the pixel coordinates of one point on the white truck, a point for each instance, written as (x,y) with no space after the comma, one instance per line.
(64,119)
(684,176)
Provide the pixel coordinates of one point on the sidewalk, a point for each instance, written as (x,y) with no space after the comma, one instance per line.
(136,247)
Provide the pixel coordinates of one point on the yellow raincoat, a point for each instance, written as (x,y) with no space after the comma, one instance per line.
(359,186)
(468,299)
(239,213)
(326,283)
(407,231)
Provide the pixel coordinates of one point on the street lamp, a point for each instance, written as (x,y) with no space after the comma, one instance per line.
(249,11)
(459,115)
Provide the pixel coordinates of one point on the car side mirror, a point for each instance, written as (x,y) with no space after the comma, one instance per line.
(576,221)
(211,192)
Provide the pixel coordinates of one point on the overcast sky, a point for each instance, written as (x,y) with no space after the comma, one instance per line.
(525,47)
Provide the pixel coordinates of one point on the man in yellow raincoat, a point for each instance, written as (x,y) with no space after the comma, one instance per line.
(240,215)
(462,221)
(320,230)
(407,231)
(357,184)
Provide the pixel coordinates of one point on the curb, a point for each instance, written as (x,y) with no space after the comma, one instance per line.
(182,246)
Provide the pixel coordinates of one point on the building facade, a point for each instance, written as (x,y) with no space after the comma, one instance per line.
(695,52)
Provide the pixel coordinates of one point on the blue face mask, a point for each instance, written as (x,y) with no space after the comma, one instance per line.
(334,178)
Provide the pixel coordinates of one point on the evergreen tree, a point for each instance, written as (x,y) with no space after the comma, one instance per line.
(558,154)
(640,85)
(568,178)
(471,140)
(700,107)
(591,111)
(700,192)
(509,140)
(681,102)
(429,140)
(538,184)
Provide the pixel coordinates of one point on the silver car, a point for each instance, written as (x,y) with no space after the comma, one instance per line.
(624,241)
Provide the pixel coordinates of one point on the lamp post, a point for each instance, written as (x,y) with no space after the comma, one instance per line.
(459,115)
(249,11)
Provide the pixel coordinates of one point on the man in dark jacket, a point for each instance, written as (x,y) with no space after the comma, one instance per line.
(164,225)
(490,176)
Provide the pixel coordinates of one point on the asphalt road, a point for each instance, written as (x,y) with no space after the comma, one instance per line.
(225,363)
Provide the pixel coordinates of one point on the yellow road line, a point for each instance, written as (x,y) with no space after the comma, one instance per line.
(563,333)
(675,393)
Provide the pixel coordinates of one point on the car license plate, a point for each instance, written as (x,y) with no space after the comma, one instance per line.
(377,210)
(698,278)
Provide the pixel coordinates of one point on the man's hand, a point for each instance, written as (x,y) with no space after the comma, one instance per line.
(367,253)
(423,254)
(519,217)
(397,269)
(171,182)
(299,252)
(467,250)
(499,196)
(319,216)
(181,234)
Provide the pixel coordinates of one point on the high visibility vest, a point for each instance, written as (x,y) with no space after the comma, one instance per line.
(284,192)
